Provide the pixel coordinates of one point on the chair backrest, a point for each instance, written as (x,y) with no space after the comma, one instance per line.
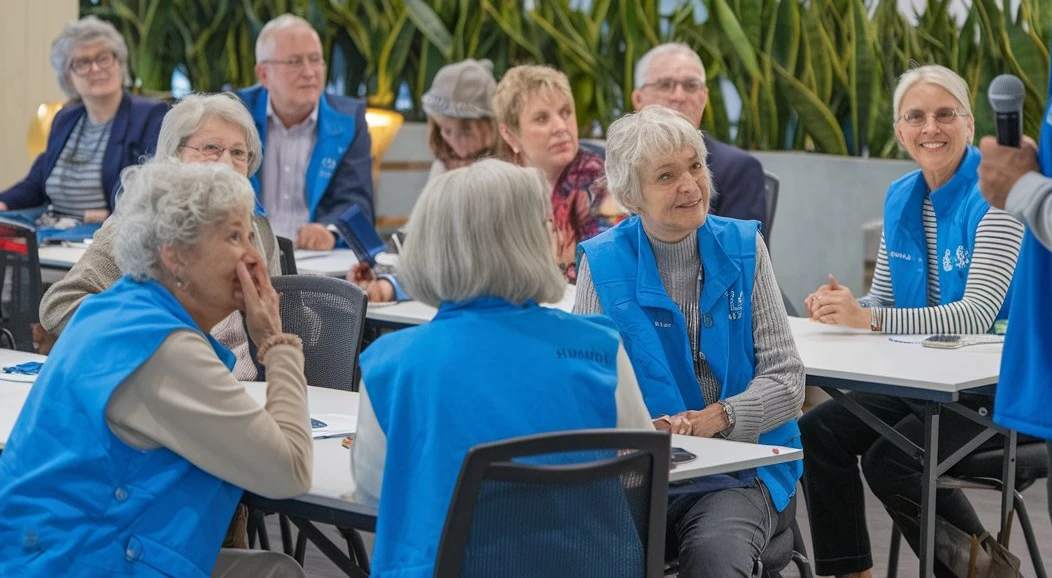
(20,283)
(770,185)
(581,503)
(329,316)
(287,255)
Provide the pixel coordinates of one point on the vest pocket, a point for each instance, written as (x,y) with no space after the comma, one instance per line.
(161,558)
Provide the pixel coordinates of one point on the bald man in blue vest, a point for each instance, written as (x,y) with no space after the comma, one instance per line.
(1019,180)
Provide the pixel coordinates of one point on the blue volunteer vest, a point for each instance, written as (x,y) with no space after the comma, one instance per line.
(74,498)
(1024,391)
(654,330)
(959,206)
(481,371)
(335,133)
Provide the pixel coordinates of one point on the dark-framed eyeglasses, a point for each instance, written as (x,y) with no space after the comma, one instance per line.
(214,152)
(668,85)
(918,117)
(103,60)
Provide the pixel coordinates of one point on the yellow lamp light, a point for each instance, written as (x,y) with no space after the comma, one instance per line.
(383,127)
(40,127)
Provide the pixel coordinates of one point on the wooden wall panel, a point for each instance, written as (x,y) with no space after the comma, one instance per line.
(27,28)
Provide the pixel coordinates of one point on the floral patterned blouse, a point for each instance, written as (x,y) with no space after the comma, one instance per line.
(581,208)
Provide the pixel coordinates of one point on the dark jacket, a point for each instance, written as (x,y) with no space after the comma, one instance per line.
(133,135)
(738,179)
(340,173)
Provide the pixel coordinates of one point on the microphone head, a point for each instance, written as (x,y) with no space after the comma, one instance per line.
(1006,94)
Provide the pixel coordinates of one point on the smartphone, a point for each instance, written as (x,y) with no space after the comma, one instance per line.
(680,455)
(944,341)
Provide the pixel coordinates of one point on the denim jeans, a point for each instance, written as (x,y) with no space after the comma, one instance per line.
(723,533)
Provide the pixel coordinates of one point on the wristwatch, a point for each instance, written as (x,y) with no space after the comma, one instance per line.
(876,319)
(729,410)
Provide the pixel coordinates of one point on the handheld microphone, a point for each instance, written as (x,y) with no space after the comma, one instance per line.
(1006,98)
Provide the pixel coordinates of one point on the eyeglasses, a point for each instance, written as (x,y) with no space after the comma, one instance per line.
(82,66)
(942,116)
(668,85)
(297,62)
(213,152)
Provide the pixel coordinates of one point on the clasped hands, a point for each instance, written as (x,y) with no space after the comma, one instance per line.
(704,423)
(834,303)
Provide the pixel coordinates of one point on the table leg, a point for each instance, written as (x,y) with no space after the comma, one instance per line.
(1007,486)
(931,463)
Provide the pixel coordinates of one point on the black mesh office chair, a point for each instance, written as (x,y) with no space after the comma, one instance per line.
(770,185)
(602,491)
(974,471)
(287,255)
(328,314)
(20,284)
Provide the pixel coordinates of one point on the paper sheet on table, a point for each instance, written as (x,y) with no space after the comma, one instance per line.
(336,425)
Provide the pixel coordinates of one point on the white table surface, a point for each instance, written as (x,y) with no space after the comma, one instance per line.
(864,356)
(63,256)
(410,313)
(335,263)
(332,473)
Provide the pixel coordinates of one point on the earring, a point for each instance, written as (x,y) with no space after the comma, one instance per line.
(179,282)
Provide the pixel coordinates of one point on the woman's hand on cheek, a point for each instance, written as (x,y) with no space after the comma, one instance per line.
(262,304)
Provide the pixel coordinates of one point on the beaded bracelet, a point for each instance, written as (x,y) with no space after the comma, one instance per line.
(278,339)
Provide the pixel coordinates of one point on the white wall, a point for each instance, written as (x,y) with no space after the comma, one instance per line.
(27,28)
(823,203)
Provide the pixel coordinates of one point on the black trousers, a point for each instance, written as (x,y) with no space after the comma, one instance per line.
(835,441)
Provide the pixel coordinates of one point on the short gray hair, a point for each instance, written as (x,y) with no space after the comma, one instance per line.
(667,49)
(272,28)
(187,116)
(84,31)
(167,202)
(932,74)
(647,135)
(481,230)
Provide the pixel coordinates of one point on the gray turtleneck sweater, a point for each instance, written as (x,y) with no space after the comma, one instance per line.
(776,392)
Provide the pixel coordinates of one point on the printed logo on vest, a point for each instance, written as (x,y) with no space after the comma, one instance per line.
(662,319)
(897,255)
(962,257)
(585,354)
(328,163)
(947,263)
(735,304)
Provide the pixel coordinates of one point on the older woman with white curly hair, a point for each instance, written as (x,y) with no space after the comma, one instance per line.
(101,131)
(136,441)
(695,299)
(201,128)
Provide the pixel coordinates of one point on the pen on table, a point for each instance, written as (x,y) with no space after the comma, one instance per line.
(332,435)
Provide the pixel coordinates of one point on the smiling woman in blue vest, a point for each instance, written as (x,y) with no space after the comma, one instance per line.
(945,265)
(103,130)
(136,441)
(695,299)
(492,365)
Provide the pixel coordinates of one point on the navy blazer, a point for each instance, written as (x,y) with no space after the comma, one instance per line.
(738,179)
(134,134)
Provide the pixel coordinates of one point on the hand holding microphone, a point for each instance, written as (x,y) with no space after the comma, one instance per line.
(1011,155)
